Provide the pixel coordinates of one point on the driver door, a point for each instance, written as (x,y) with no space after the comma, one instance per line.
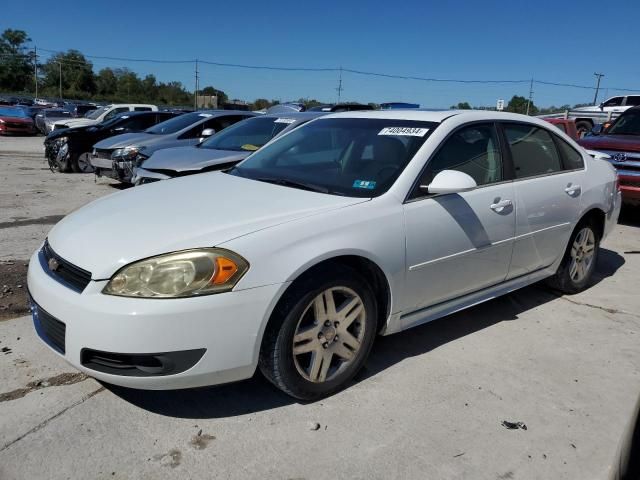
(460,243)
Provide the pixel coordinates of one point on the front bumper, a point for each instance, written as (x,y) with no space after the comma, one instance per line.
(630,186)
(227,326)
(142,176)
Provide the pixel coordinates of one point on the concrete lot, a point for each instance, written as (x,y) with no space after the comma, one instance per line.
(428,405)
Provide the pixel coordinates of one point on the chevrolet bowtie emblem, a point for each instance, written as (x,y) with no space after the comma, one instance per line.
(53,264)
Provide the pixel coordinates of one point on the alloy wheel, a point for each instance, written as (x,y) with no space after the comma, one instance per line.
(329,334)
(84,163)
(582,254)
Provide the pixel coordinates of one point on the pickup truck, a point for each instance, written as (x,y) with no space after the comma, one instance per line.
(610,107)
(104,113)
(621,141)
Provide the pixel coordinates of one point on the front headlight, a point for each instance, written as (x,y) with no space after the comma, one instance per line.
(61,140)
(127,153)
(182,274)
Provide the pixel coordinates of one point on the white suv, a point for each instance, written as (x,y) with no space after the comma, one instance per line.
(104,113)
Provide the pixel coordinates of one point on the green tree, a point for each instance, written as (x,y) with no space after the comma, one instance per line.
(16,63)
(78,80)
(461,106)
(106,82)
(518,104)
(209,90)
(260,103)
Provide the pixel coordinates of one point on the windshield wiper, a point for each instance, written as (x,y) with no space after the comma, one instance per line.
(295,184)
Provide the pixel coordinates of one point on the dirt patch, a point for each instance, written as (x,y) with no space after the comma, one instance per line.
(13,289)
(57,381)
(201,440)
(22,222)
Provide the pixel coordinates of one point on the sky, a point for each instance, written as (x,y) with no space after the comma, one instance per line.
(553,41)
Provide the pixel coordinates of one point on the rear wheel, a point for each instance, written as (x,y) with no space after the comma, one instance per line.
(82,163)
(321,334)
(579,262)
(583,127)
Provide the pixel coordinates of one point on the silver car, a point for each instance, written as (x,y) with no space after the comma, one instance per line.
(118,156)
(221,150)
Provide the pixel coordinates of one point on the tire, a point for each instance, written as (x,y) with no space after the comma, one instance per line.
(584,240)
(65,164)
(583,127)
(328,352)
(82,163)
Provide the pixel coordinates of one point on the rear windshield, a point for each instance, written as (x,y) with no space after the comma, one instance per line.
(178,123)
(356,157)
(248,135)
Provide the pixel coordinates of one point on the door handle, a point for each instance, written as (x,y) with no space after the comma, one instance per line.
(500,206)
(573,190)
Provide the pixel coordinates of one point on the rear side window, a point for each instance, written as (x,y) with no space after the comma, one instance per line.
(572,159)
(140,122)
(533,151)
(633,100)
(141,109)
(473,150)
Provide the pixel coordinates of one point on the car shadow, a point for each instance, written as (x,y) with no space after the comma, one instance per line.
(257,394)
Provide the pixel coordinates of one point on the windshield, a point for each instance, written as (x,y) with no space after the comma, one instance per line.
(94,114)
(627,124)
(249,135)
(12,112)
(356,157)
(177,123)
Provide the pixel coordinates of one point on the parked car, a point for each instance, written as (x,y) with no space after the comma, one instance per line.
(340,107)
(104,113)
(70,149)
(402,105)
(31,112)
(621,141)
(352,225)
(14,120)
(118,156)
(614,105)
(220,151)
(566,125)
(46,118)
(79,110)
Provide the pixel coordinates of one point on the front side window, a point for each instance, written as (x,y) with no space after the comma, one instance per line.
(356,157)
(613,102)
(114,112)
(532,150)
(473,150)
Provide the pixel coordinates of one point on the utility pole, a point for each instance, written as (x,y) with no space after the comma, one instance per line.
(339,89)
(35,68)
(195,95)
(599,76)
(530,95)
(60,66)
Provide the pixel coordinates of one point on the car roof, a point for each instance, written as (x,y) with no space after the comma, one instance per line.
(295,115)
(437,116)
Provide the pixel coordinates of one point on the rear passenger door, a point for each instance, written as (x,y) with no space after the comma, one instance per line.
(548,177)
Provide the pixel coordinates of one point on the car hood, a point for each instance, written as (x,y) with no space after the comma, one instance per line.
(184,213)
(76,122)
(182,159)
(139,139)
(16,119)
(628,143)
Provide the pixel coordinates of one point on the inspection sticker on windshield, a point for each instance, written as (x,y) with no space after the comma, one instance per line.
(284,120)
(366,184)
(404,131)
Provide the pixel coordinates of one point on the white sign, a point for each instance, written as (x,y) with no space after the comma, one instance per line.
(500,105)
(404,131)
(284,120)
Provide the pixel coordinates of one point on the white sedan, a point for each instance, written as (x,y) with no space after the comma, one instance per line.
(353,225)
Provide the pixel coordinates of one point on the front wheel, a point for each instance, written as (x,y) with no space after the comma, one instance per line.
(579,262)
(321,334)
(82,163)
(583,128)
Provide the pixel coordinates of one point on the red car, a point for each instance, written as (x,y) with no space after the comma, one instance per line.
(621,141)
(567,125)
(15,121)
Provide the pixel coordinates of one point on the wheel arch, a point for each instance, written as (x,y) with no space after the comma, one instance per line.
(597,216)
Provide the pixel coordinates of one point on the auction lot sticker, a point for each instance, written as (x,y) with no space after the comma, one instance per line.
(404,131)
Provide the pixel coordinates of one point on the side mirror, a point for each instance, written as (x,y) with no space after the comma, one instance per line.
(206,133)
(601,106)
(450,181)
(597,129)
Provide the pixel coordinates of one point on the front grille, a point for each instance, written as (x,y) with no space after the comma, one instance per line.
(50,329)
(630,183)
(102,153)
(66,273)
(24,126)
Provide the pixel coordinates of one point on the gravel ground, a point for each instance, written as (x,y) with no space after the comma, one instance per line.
(429,404)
